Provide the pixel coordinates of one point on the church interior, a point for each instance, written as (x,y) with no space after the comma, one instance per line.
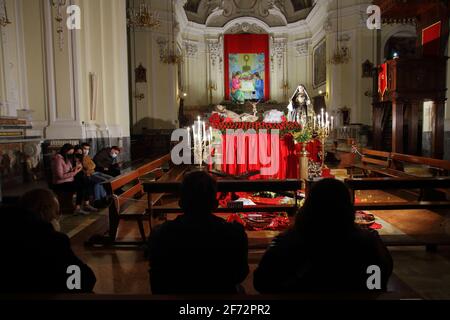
(111,107)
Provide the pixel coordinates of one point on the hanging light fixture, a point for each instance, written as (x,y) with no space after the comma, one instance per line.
(4,21)
(143,17)
(341,53)
(58,4)
(171,55)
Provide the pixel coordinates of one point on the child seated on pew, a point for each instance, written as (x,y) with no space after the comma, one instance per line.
(93,178)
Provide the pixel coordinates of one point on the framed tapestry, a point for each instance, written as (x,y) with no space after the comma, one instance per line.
(320,64)
(247,74)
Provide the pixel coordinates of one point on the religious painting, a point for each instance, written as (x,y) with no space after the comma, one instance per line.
(246,67)
(246,73)
(320,64)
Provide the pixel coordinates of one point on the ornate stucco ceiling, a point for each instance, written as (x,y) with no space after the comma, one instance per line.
(216,13)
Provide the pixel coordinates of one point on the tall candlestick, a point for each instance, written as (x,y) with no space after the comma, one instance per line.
(204,130)
(189,137)
(322,117)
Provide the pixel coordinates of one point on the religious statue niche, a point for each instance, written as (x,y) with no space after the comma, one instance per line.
(299,104)
(247,73)
(140,74)
(367,68)
(345,115)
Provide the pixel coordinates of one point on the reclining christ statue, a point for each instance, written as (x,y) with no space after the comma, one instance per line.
(299,104)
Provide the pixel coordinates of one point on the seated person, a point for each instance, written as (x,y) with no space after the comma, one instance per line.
(325,250)
(44,205)
(63,176)
(198,252)
(37,259)
(93,178)
(106,161)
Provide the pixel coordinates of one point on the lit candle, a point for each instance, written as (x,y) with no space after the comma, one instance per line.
(322,120)
(204,131)
(189,137)
(193,133)
(332,122)
(199,133)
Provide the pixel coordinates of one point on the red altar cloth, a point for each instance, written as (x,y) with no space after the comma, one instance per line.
(240,158)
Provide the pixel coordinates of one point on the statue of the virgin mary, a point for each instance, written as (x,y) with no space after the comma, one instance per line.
(299,104)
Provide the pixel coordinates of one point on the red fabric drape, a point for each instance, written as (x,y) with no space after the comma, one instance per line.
(431,37)
(246,156)
(247,43)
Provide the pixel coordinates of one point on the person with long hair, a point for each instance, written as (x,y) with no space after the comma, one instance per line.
(39,259)
(44,205)
(325,250)
(64,170)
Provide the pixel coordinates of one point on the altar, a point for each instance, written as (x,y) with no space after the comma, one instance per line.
(267,149)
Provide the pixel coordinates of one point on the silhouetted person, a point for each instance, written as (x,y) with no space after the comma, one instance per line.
(106,161)
(35,256)
(325,250)
(198,252)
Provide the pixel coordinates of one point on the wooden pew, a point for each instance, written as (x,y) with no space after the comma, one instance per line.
(158,187)
(122,208)
(431,241)
(437,167)
(372,161)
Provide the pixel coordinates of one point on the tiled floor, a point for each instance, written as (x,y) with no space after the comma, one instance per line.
(125,271)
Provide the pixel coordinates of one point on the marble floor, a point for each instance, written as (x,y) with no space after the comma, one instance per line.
(125,270)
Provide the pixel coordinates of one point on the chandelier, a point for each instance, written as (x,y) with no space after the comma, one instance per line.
(59,4)
(143,17)
(171,55)
(341,54)
(4,20)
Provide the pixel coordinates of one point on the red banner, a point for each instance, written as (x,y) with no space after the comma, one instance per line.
(382,79)
(431,37)
(235,44)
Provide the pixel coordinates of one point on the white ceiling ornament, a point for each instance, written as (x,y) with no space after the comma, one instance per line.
(278,51)
(246,27)
(215,52)
(302,47)
(275,13)
(191,49)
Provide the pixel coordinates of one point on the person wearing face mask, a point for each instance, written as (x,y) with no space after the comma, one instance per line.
(106,161)
(96,179)
(64,170)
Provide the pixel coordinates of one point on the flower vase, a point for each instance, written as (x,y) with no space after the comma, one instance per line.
(303,163)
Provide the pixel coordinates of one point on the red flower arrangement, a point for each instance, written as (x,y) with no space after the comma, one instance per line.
(222,124)
(215,120)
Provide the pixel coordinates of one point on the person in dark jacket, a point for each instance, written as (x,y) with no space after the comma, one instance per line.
(198,252)
(106,161)
(37,259)
(325,250)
